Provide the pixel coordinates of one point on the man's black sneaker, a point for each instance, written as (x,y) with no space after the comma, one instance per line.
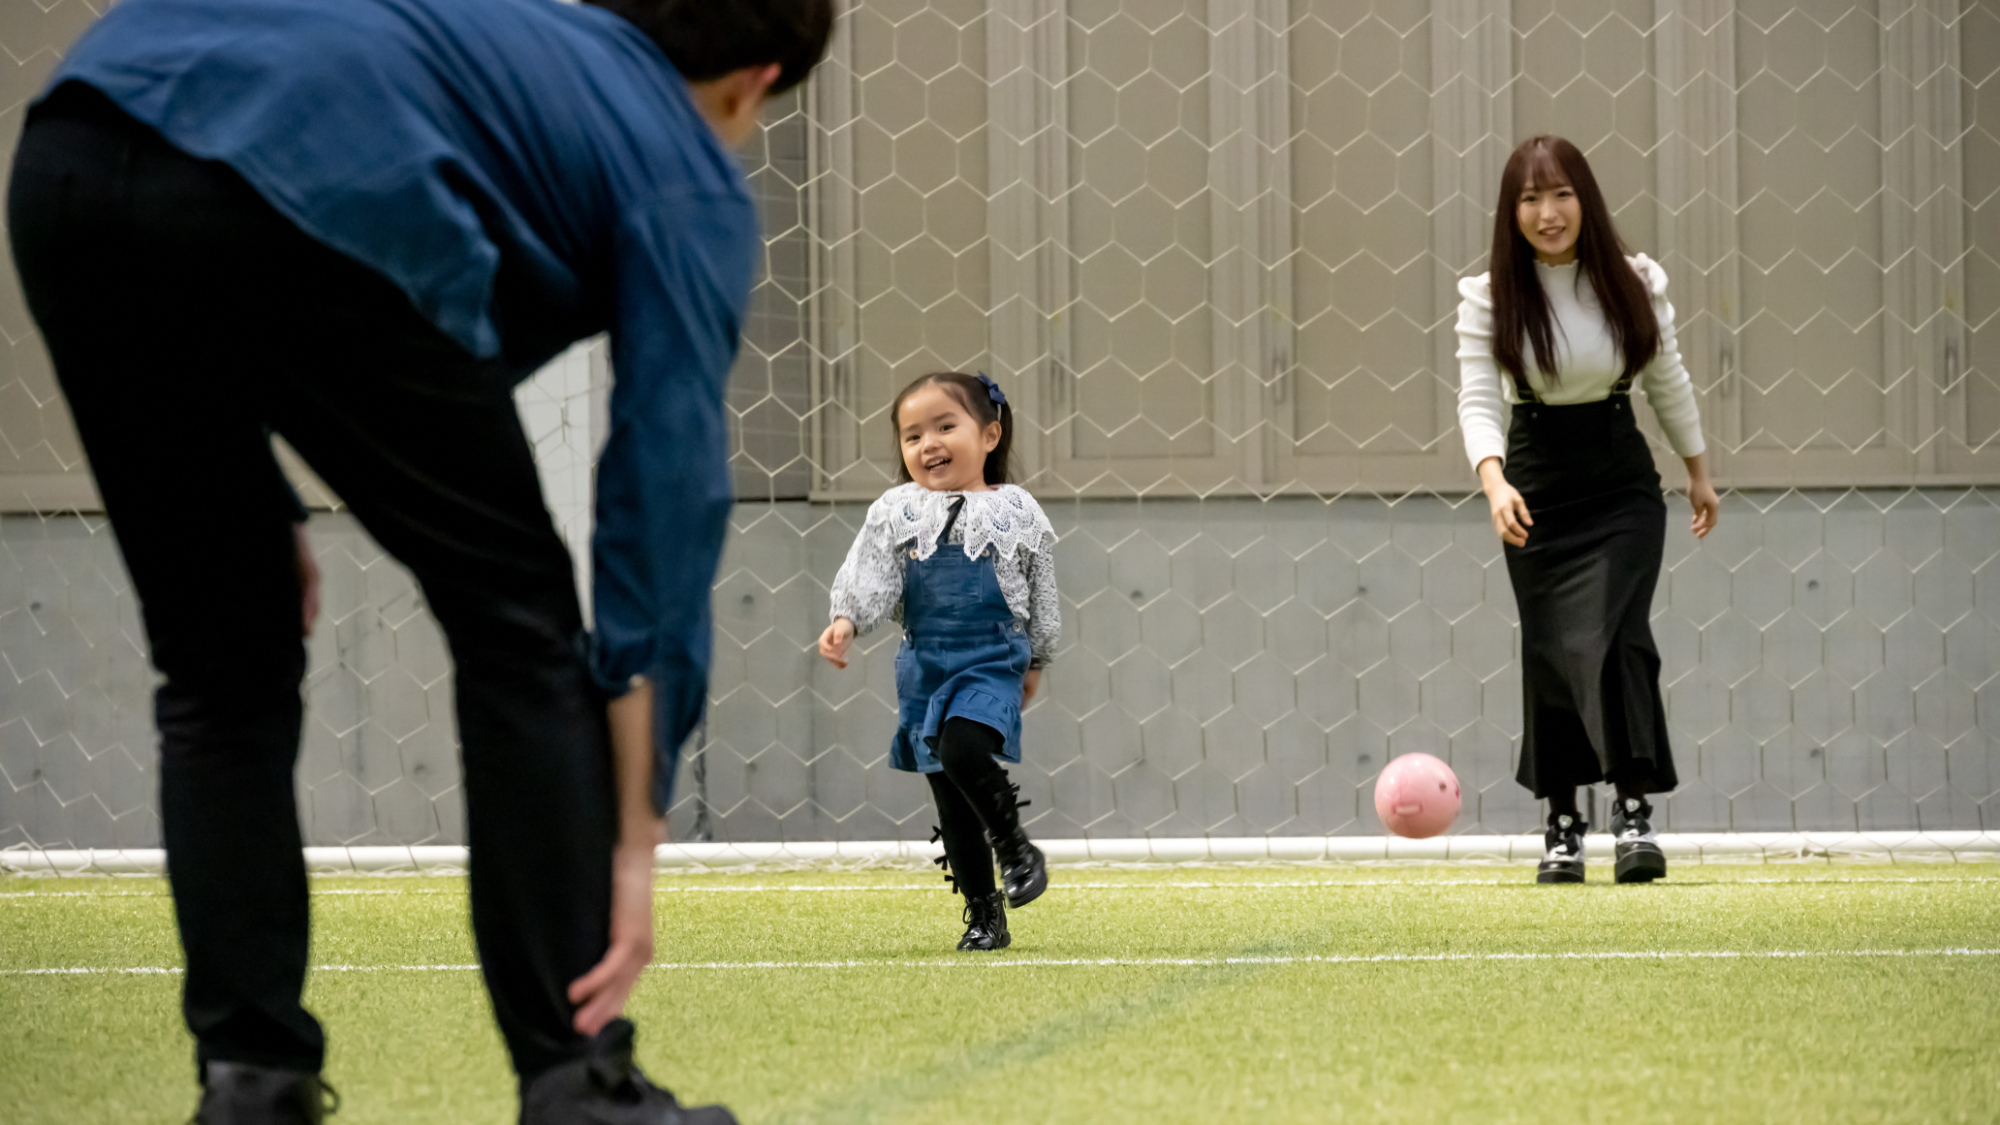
(985,922)
(1640,859)
(1563,861)
(605,1087)
(241,1094)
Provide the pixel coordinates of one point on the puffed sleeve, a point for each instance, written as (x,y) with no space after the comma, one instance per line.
(1665,380)
(1044,605)
(869,585)
(1480,398)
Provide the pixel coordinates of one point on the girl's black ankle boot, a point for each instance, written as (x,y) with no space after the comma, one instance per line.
(985,922)
(1024,871)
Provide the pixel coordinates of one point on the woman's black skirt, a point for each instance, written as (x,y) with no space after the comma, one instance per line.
(1590,674)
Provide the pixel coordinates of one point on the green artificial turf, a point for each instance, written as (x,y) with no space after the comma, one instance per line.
(1188,995)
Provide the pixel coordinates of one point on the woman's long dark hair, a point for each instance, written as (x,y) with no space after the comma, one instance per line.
(978,402)
(1521,308)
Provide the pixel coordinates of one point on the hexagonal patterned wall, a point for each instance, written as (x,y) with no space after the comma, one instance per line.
(1210,247)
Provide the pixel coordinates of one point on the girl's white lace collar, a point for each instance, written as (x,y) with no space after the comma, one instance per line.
(1005,518)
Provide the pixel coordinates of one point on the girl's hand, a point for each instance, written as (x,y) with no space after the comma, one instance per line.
(1510,512)
(1707,506)
(1029,683)
(833,643)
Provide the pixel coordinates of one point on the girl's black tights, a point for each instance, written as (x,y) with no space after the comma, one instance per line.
(969,793)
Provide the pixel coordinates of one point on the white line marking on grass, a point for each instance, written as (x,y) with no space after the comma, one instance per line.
(164,894)
(1219,885)
(148,970)
(395,968)
(86,972)
(83,894)
(1139,962)
(1277,885)
(1326,959)
(459,889)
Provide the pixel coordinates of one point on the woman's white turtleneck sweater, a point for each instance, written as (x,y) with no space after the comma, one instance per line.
(1587,362)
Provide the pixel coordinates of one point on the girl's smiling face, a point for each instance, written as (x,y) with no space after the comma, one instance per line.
(944,447)
(1550,218)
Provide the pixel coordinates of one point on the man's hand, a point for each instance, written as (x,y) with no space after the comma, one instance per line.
(600,994)
(833,643)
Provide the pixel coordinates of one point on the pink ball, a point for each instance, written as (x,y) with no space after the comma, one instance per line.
(1416,796)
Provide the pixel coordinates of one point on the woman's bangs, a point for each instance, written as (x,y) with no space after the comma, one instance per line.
(1543,171)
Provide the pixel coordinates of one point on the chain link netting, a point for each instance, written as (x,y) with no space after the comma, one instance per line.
(1210,249)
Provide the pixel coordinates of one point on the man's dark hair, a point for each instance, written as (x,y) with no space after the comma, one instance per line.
(707,39)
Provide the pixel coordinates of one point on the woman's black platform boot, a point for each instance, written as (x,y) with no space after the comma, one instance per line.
(985,922)
(1640,859)
(1563,861)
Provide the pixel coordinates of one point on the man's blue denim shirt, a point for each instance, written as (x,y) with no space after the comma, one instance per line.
(529,173)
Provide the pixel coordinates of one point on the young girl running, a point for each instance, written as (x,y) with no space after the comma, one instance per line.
(962,559)
(1567,323)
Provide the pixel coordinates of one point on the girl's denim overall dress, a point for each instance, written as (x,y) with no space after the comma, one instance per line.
(963,654)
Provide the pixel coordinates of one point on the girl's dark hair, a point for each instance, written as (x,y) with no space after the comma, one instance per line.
(1520,308)
(707,39)
(978,402)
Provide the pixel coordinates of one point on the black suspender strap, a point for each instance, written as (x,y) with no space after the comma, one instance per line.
(957,506)
(1624,384)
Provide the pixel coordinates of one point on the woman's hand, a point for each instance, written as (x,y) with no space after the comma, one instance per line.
(600,994)
(1701,496)
(1510,513)
(833,643)
(1030,683)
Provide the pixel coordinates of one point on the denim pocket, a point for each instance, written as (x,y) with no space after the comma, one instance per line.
(906,671)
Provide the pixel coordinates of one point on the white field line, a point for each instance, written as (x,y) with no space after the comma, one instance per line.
(1180,885)
(1700,847)
(163,894)
(1293,884)
(1140,962)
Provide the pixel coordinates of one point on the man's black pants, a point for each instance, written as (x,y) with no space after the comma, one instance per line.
(189,320)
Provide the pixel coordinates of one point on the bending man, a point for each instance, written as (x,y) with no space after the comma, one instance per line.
(359,224)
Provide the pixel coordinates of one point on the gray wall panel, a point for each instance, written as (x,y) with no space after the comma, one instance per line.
(1229,667)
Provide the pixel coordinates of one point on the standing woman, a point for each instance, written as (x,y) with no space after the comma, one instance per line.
(1562,326)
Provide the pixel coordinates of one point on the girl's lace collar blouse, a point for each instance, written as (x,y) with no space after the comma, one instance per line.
(1004,520)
